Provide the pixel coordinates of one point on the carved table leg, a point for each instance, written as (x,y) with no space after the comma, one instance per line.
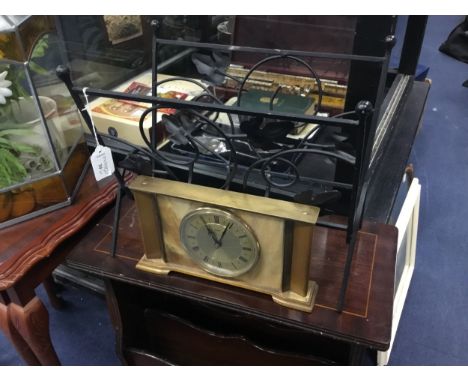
(32,322)
(15,338)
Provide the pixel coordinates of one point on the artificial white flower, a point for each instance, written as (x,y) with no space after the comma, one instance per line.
(4,91)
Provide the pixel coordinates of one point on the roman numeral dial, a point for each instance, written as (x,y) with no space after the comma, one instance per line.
(219,242)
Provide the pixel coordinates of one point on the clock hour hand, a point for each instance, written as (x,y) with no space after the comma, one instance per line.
(210,232)
(228,226)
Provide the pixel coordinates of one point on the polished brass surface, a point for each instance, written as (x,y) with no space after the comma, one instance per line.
(302,244)
(186,228)
(227,199)
(151,230)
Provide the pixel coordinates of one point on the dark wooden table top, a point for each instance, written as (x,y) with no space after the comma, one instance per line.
(367,316)
(25,244)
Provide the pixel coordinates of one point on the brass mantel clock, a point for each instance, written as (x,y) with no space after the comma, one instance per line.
(247,241)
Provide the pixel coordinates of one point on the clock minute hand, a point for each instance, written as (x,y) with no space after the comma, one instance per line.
(228,226)
(210,232)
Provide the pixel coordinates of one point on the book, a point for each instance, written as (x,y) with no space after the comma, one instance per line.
(132,110)
(259,100)
(122,116)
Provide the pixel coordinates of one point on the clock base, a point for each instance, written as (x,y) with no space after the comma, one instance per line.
(289,299)
(157,266)
(296,301)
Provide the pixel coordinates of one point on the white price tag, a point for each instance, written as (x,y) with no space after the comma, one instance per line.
(102,162)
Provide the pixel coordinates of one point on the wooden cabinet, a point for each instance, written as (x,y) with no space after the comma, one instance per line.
(183,320)
(158,327)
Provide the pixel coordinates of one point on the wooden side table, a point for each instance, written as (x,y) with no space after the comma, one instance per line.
(181,320)
(27,259)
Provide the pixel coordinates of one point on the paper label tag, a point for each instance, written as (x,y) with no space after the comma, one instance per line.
(102,162)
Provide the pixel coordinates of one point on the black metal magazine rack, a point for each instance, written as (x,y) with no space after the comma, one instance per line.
(249,152)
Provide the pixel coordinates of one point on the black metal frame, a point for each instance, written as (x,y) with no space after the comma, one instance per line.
(363,129)
(412,45)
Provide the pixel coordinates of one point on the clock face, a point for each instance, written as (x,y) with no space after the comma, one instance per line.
(219,242)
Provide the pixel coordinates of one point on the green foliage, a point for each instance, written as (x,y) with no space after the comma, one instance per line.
(23,132)
(11,169)
(19,148)
(40,49)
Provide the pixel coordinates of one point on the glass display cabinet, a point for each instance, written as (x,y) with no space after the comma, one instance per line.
(42,146)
